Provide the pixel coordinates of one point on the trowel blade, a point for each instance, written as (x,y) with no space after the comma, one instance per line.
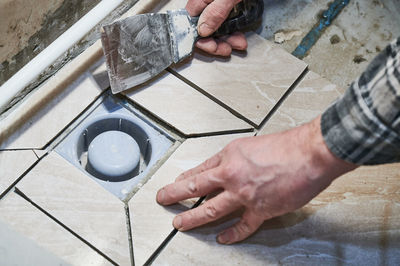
(136,49)
(140,47)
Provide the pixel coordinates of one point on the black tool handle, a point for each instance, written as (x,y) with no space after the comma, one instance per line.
(243,15)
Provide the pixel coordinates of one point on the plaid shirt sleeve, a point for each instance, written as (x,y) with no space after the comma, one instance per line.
(363,126)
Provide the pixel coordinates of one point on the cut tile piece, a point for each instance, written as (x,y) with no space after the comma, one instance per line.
(150,222)
(81,204)
(184,108)
(56,111)
(12,165)
(250,83)
(309,99)
(29,237)
(356,221)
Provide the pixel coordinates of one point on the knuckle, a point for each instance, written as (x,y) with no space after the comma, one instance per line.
(193,187)
(243,228)
(230,171)
(211,212)
(246,194)
(208,164)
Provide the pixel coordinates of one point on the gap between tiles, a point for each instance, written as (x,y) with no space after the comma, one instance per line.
(23,149)
(130,238)
(165,125)
(176,134)
(21,176)
(77,118)
(154,169)
(283,98)
(25,197)
(170,236)
(37,156)
(211,97)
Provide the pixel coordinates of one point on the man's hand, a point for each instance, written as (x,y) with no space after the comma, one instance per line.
(267,175)
(213,13)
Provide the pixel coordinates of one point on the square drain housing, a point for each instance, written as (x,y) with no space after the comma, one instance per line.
(115,146)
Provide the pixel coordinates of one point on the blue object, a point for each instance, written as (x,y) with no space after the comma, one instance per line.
(312,37)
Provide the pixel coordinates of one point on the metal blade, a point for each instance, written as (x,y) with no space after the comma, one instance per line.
(136,49)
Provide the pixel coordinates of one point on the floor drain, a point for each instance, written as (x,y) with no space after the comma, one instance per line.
(114,156)
(115,146)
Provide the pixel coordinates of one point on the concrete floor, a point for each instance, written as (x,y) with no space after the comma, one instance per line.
(363,27)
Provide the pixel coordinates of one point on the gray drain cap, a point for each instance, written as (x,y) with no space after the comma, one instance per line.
(114,154)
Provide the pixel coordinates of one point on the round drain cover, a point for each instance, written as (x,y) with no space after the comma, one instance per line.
(114,154)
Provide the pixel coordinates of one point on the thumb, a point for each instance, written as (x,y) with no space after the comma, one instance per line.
(214,15)
(249,223)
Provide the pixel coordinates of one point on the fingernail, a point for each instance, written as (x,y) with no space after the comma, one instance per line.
(205,30)
(160,196)
(223,238)
(177,222)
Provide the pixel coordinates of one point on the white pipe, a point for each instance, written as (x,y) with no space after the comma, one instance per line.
(43,60)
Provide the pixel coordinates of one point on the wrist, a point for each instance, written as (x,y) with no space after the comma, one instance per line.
(325,165)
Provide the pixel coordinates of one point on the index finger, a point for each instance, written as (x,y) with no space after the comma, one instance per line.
(195,186)
(195,7)
(214,15)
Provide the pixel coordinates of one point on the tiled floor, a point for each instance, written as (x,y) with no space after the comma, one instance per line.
(178,104)
(151,223)
(80,204)
(51,239)
(12,165)
(254,94)
(210,103)
(56,112)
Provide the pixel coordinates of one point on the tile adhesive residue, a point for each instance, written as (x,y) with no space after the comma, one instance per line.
(184,33)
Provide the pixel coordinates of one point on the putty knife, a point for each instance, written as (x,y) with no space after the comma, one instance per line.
(142,46)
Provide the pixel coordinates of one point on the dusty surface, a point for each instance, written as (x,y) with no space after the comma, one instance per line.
(27,27)
(19,20)
(357,35)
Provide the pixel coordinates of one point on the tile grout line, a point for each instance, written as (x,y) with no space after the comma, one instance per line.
(164,124)
(72,122)
(220,133)
(129,229)
(171,235)
(153,118)
(211,97)
(283,98)
(25,197)
(21,176)
(19,149)
(37,156)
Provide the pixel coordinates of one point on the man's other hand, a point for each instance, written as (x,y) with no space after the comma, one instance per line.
(268,176)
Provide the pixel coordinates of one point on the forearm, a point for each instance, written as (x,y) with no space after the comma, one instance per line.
(363,127)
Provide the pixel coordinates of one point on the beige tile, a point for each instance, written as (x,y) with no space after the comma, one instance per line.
(12,165)
(356,221)
(56,111)
(29,237)
(250,83)
(184,108)
(309,99)
(81,204)
(150,222)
